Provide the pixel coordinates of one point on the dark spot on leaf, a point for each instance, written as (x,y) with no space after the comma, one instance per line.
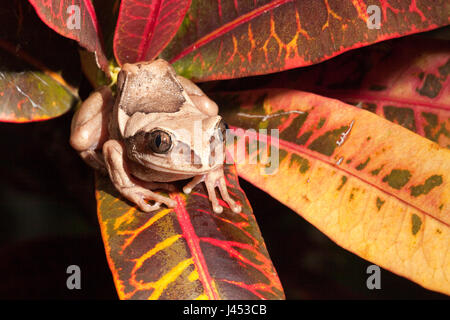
(363,164)
(432,131)
(401,116)
(431,87)
(304,138)
(352,194)
(380,203)
(321,123)
(430,183)
(432,121)
(343,181)
(397,178)
(282,154)
(348,161)
(438,231)
(300,161)
(376,171)
(372,107)
(416,223)
(290,132)
(421,75)
(326,143)
(441,206)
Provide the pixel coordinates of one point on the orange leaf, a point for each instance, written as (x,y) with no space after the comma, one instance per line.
(187,252)
(373,187)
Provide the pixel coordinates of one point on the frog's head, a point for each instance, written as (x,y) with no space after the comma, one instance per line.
(160,126)
(183,143)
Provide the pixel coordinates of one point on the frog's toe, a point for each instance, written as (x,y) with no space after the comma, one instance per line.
(152,207)
(187,189)
(171,203)
(217,208)
(235,208)
(146,207)
(191,184)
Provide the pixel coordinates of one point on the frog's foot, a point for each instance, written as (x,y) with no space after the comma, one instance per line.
(140,196)
(212,180)
(125,184)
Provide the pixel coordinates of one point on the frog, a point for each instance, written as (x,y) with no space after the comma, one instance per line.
(159,127)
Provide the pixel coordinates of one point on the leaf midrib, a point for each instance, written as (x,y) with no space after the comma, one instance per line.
(193,243)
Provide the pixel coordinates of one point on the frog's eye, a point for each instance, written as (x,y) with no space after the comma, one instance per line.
(160,141)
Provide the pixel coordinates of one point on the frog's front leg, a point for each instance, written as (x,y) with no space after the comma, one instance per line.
(213,179)
(113,153)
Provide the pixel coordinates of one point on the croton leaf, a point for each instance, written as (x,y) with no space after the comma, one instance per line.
(372,186)
(107,23)
(229,39)
(36,82)
(187,252)
(145,27)
(76,20)
(406,81)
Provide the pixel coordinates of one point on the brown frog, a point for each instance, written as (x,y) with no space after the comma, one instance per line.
(160,127)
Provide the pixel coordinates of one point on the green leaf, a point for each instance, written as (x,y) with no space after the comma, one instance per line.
(230,39)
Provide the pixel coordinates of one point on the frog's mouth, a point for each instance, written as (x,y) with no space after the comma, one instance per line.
(202,170)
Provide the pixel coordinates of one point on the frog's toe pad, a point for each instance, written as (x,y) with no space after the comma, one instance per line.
(217,208)
(187,190)
(236,208)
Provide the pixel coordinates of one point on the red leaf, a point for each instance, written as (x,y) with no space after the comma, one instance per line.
(59,16)
(230,39)
(145,27)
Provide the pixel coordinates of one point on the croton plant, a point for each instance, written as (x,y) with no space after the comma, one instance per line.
(363,138)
